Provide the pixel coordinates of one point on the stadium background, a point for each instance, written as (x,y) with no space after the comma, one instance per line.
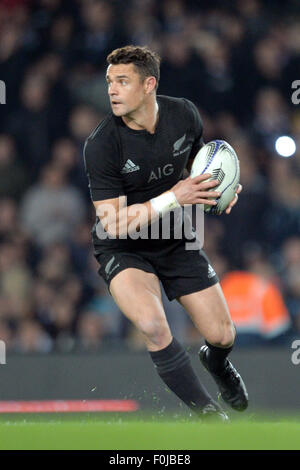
(236,60)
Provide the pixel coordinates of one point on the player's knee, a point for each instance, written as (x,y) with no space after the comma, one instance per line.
(228,337)
(155,329)
(223,336)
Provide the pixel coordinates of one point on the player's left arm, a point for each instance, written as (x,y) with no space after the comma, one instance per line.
(198,144)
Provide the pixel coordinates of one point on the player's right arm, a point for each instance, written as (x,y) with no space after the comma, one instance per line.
(118,219)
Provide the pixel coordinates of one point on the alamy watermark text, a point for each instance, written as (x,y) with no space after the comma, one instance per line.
(2,352)
(2,92)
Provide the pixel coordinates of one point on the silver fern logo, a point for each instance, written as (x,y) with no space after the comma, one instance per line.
(108,268)
(178,145)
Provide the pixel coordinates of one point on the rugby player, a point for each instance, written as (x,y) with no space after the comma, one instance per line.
(135,161)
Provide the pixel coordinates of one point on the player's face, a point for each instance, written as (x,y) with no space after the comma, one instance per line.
(126,90)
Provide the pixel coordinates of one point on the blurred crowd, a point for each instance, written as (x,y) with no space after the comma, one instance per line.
(235,59)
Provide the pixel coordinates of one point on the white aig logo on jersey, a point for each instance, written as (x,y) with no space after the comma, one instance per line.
(160,172)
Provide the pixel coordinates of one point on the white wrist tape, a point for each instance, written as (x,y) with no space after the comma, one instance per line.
(164,203)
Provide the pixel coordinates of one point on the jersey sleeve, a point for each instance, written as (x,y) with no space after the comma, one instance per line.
(197,128)
(101,160)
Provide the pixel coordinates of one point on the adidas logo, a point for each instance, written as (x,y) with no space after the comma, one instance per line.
(129,167)
(211,271)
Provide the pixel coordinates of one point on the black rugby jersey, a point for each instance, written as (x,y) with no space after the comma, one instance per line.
(122,161)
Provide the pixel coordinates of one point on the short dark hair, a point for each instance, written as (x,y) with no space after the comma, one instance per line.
(146,61)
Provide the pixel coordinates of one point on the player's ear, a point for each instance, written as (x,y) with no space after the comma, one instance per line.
(150,84)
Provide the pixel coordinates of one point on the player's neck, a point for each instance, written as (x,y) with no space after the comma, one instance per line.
(145,118)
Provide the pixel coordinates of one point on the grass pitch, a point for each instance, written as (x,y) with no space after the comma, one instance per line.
(136,432)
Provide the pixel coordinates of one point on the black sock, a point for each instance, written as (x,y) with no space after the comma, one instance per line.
(174,367)
(216,357)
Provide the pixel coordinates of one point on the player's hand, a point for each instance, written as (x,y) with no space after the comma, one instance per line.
(235,199)
(196,190)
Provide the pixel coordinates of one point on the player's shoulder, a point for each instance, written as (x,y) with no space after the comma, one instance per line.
(182,105)
(103,137)
(184,111)
(104,130)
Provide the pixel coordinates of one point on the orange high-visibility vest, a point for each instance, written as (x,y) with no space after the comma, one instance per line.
(255,304)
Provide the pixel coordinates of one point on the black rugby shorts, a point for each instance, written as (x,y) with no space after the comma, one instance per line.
(181,271)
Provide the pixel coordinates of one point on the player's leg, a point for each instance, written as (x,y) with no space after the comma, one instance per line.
(138,295)
(209,312)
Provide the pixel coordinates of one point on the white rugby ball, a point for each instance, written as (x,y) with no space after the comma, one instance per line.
(220,160)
